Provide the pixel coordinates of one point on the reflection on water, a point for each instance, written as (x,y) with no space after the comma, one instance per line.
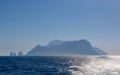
(60,65)
(99,66)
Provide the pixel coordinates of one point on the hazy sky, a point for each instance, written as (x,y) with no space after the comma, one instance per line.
(26,23)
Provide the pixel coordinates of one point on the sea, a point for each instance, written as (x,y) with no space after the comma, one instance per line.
(60,65)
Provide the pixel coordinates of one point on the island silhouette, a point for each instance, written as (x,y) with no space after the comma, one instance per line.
(58,47)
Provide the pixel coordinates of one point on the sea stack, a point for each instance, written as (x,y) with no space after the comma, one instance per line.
(20,53)
(12,53)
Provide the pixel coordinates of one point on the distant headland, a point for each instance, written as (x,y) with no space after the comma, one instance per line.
(58,47)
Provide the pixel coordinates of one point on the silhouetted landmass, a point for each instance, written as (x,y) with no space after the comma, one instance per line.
(57,47)
(12,54)
(20,53)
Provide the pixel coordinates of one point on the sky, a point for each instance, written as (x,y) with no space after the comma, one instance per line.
(27,23)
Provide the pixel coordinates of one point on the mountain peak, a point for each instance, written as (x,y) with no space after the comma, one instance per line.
(55,42)
(83,40)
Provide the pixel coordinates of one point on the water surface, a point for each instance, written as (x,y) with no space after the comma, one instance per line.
(60,65)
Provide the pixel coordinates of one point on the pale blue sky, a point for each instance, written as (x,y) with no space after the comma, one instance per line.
(26,23)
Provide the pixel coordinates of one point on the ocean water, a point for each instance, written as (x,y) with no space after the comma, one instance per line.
(60,65)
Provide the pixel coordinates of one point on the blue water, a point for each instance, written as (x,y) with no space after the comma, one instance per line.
(60,65)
